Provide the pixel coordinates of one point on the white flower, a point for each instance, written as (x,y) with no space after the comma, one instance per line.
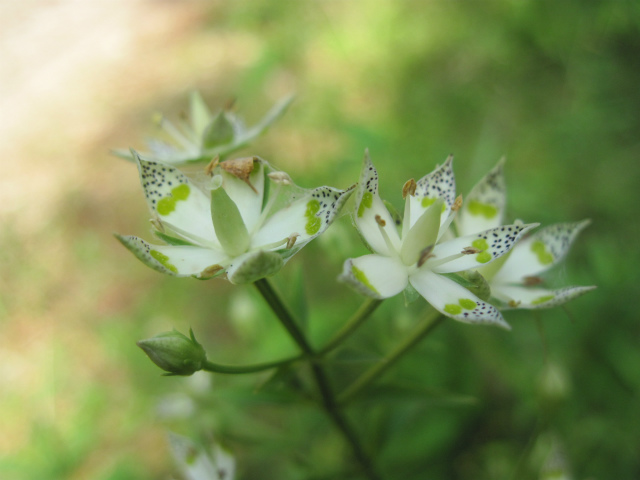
(244,225)
(198,463)
(206,135)
(415,256)
(514,279)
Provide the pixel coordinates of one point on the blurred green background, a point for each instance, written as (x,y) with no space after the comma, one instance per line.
(553,86)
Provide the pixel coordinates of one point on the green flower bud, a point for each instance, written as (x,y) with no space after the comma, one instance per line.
(175,353)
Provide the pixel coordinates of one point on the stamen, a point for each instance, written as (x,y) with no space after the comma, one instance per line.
(445,225)
(514,303)
(448,259)
(457,204)
(193,238)
(176,134)
(280,178)
(381,224)
(267,208)
(208,170)
(157,224)
(409,188)
(292,240)
(211,270)
(425,255)
(531,281)
(471,251)
(240,168)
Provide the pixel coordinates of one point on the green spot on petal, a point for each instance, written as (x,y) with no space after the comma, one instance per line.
(452,309)
(366,202)
(483,257)
(168,204)
(164,260)
(541,300)
(467,304)
(313,222)
(362,278)
(544,256)
(480,244)
(478,208)
(181,192)
(427,202)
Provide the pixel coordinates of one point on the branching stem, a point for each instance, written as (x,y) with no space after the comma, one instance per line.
(314,358)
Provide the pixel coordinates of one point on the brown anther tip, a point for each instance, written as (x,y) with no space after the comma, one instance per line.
(530,281)
(208,170)
(470,251)
(425,255)
(409,188)
(211,270)
(457,204)
(292,240)
(380,221)
(514,304)
(240,168)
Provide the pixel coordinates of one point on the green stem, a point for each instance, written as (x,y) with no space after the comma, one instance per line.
(238,369)
(285,317)
(358,318)
(433,319)
(327,395)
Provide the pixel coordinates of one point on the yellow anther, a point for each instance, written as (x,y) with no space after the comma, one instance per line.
(292,240)
(457,204)
(208,170)
(409,188)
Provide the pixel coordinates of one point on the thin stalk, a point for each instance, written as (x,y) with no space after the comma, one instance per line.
(285,317)
(433,319)
(329,402)
(358,318)
(239,369)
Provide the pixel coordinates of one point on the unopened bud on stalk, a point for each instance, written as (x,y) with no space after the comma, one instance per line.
(175,353)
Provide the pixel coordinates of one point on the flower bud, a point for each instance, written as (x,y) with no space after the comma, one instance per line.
(175,353)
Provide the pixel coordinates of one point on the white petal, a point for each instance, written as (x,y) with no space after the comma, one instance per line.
(491,244)
(484,206)
(368,207)
(539,252)
(438,184)
(248,200)
(182,260)
(455,301)
(375,276)
(533,298)
(175,200)
(307,217)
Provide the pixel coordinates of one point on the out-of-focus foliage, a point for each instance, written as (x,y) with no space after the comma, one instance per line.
(551,85)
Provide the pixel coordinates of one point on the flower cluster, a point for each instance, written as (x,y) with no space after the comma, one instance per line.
(444,248)
(238,222)
(245,219)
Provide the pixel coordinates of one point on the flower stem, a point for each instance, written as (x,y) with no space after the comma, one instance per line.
(432,320)
(365,310)
(239,369)
(329,403)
